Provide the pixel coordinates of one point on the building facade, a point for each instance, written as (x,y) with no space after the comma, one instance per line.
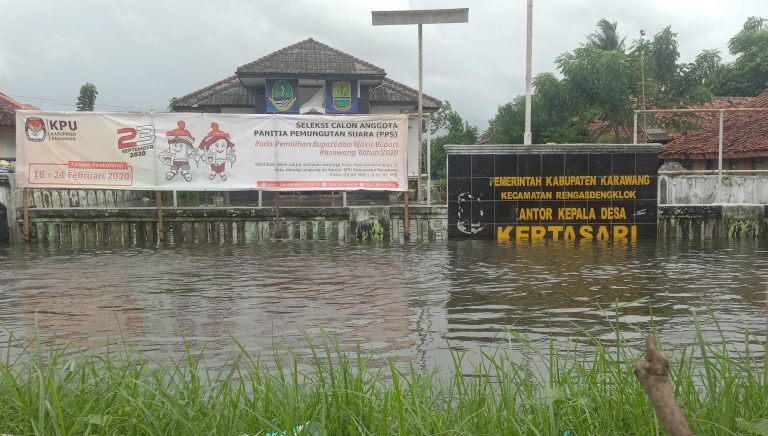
(745,137)
(8,108)
(311,77)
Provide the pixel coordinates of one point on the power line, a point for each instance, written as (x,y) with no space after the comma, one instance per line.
(67,103)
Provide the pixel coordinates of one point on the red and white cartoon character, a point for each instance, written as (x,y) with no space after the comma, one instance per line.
(180,150)
(217,149)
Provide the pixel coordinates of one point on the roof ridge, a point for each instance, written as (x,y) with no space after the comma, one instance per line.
(307,43)
(273,53)
(347,54)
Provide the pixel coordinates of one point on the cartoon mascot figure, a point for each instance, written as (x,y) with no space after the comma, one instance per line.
(217,150)
(180,150)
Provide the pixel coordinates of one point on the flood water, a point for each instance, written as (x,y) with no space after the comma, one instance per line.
(409,301)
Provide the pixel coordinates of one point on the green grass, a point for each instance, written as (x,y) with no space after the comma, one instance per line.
(587,388)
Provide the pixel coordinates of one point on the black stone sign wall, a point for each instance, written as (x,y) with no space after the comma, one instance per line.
(543,195)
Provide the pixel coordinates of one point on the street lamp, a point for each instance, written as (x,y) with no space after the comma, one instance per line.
(427,16)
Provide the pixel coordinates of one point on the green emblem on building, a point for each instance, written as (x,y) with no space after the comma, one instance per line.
(282,97)
(341,96)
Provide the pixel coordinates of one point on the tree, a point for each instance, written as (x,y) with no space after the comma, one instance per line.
(665,55)
(747,75)
(508,125)
(606,37)
(602,81)
(557,116)
(451,129)
(87,98)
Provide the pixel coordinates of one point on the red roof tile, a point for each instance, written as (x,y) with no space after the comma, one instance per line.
(743,132)
(8,107)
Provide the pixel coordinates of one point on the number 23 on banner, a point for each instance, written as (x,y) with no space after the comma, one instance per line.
(135,137)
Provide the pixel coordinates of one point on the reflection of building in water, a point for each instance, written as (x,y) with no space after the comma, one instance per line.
(544,288)
(321,297)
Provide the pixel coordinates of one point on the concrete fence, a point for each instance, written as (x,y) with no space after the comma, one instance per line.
(686,188)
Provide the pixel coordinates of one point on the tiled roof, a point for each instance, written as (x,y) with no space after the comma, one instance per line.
(227,92)
(8,107)
(231,92)
(391,92)
(743,132)
(310,58)
(307,57)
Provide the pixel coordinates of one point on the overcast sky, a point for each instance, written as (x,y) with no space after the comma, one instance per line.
(141,53)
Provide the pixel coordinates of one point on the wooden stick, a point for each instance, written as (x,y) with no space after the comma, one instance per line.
(406,217)
(25,204)
(159,206)
(653,374)
(277,213)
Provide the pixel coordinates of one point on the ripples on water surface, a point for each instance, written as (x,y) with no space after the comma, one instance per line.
(404,300)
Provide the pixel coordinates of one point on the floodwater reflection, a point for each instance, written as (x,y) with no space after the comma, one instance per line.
(406,301)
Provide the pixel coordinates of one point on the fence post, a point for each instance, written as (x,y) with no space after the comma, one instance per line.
(720,150)
(634,130)
(159,206)
(277,212)
(25,199)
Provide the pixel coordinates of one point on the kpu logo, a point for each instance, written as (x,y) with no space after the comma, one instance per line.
(34,128)
(62,130)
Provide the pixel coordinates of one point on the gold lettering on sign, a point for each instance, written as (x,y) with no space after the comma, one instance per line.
(567,233)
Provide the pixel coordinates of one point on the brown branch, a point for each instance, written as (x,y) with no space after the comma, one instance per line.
(653,374)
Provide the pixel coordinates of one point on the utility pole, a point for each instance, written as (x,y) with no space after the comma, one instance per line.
(528,137)
(642,77)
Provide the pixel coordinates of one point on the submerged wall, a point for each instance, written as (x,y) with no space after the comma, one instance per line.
(219,225)
(713,221)
(110,217)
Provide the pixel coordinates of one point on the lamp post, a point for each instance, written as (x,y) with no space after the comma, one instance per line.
(420,17)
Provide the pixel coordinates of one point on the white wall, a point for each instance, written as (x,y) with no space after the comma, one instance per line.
(7,142)
(705,189)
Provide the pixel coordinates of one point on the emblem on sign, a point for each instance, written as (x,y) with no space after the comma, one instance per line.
(34,128)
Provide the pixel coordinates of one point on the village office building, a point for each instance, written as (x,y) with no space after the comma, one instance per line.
(321,79)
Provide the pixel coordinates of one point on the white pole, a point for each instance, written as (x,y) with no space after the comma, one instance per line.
(634,134)
(421,115)
(260,198)
(528,137)
(175,200)
(429,164)
(720,150)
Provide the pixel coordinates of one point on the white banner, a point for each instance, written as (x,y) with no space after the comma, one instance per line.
(199,152)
